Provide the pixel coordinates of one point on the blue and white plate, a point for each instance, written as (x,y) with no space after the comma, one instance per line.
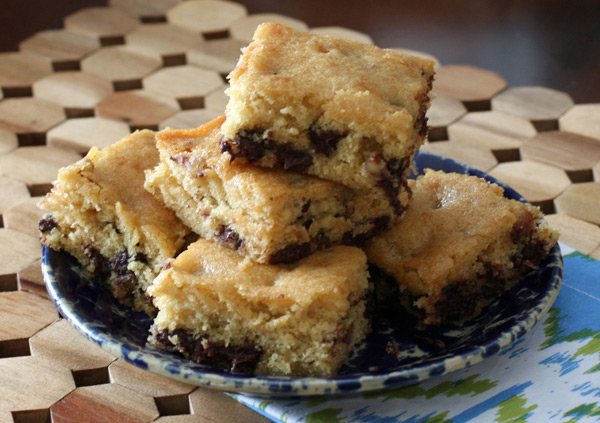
(419,353)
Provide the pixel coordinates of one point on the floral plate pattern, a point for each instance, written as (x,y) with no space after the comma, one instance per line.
(398,352)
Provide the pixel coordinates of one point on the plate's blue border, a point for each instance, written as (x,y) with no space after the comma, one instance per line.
(175,367)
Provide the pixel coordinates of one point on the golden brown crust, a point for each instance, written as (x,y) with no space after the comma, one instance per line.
(296,314)
(459,234)
(346,111)
(102,213)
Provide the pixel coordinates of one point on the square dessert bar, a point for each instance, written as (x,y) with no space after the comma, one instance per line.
(460,246)
(100,213)
(221,309)
(338,109)
(270,215)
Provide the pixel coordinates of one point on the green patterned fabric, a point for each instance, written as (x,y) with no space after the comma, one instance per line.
(551,374)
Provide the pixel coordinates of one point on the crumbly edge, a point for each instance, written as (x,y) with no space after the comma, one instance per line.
(117,255)
(310,224)
(497,269)
(311,343)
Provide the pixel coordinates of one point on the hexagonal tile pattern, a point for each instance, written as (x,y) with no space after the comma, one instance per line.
(576,233)
(108,403)
(37,166)
(24,215)
(340,32)
(212,18)
(12,193)
(123,66)
(583,119)
(478,157)
(146,383)
(542,106)
(84,133)
(8,141)
(30,118)
(139,108)
(500,133)
(30,279)
(18,71)
(22,315)
(444,110)
(219,55)
(21,376)
(217,100)
(18,251)
(62,47)
(74,351)
(146,11)
(539,183)
(169,42)
(186,84)
(243,29)
(580,201)
(576,154)
(189,119)
(108,25)
(475,87)
(77,92)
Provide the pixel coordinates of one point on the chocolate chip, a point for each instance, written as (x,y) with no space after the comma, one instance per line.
(229,238)
(306,206)
(46,224)
(290,254)
(522,227)
(378,225)
(100,263)
(324,140)
(119,263)
(234,358)
(293,160)
(247,144)
(392,180)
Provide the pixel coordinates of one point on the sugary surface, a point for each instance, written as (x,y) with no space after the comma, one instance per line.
(306,317)
(101,211)
(351,107)
(459,234)
(268,214)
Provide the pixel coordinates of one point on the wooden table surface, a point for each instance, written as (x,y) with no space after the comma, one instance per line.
(518,96)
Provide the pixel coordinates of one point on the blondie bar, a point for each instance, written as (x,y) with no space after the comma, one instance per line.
(221,309)
(100,213)
(338,109)
(272,216)
(460,246)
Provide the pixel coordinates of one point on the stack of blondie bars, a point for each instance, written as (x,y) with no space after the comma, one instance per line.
(290,193)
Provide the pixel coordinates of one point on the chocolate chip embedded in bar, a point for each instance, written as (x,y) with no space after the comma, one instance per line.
(341,110)
(99,212)
(460,245)
(219,309)
(270,215)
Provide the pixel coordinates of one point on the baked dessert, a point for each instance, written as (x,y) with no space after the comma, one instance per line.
(460,245)
(100,213)
(221,309)
(338,109)
(270,215)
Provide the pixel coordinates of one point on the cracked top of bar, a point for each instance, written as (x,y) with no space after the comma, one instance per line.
(339,109)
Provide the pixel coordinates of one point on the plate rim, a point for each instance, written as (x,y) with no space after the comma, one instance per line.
(284,386)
